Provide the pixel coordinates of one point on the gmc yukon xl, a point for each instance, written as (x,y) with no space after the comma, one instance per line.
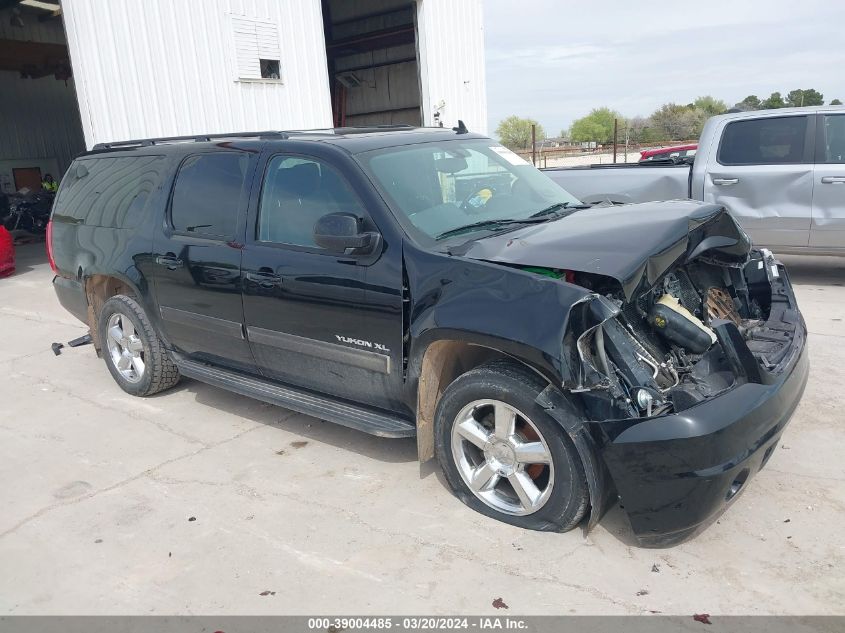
(430,283)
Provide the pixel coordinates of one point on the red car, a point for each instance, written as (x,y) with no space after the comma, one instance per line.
(679,151)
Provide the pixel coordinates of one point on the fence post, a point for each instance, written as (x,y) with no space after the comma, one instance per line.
(533,144)
(615,137)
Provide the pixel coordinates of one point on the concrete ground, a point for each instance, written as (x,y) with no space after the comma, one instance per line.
(199,501)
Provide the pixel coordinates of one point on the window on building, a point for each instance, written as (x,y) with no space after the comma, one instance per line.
(257,53)
(767,141)
(298,192)
(207,194)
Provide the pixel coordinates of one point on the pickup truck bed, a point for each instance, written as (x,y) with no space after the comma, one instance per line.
(628,182)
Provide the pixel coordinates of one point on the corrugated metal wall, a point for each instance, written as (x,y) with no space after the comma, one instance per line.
(451,45)
(39,118)
(150,68)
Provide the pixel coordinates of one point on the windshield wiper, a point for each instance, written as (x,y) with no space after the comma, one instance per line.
(543,215)
(553,208)
(489,224)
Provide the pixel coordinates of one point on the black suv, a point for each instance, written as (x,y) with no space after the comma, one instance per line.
(431,283)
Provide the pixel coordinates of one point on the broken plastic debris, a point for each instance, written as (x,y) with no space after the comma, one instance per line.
(82,340)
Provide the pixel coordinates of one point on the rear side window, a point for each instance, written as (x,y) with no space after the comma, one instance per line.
(834,138)
(770,141)
(207,194)
(110,192)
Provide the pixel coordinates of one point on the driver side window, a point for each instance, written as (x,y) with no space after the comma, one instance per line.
(297,192)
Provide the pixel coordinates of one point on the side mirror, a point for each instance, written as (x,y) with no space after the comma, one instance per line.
(342,233)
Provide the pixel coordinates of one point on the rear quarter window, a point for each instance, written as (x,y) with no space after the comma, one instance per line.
(111,192)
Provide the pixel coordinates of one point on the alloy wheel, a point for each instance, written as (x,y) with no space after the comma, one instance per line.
(125,347)
(502,457)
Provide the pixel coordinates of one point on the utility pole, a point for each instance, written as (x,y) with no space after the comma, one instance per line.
(533,144)
(615,137)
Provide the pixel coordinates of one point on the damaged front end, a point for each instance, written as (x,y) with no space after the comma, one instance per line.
(688,378)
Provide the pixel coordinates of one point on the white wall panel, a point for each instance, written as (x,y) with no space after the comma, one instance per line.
(165,68)
(451,44)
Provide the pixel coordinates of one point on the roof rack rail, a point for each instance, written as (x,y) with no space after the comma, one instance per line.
(373,128)
(197,138)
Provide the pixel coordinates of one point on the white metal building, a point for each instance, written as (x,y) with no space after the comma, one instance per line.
(78,72)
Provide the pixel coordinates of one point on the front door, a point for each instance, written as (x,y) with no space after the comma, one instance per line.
(828,229)
(312,318)
(198,259)
(763,174)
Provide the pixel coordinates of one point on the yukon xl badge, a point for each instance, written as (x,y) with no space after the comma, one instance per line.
(360,343)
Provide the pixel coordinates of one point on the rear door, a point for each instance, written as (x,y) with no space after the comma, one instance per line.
(828,227)
(197,258)
(763,173)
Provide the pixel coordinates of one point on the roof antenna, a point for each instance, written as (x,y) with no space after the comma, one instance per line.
(461,129)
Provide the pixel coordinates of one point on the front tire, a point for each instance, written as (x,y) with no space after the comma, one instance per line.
(503,455)
(132,350)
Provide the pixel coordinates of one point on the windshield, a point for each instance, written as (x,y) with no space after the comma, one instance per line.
(436,188)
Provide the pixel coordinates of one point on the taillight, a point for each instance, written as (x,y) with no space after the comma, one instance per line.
(50,247)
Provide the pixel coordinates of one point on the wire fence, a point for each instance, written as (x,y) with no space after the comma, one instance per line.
(569,156)
(561,153)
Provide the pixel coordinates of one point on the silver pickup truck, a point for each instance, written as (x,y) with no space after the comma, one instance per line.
(781,173)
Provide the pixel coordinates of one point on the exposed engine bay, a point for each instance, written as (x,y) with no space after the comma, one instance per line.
(701,329)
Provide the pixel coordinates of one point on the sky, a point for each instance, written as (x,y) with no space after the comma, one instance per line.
(555,60)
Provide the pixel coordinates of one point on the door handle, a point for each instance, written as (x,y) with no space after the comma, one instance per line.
(264,279)
(834,180)
(725,181)
(170,261)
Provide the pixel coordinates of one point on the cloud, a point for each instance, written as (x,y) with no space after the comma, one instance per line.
(554,61)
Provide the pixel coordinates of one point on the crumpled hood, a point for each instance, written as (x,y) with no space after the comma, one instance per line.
(634,244)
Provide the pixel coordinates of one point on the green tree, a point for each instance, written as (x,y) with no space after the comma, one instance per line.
(673,122)
(797,98)
(774,101)
(515,132)
(596,126)
(751,102)
(836,102)
(710,105)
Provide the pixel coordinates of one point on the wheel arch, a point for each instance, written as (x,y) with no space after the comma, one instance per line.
(99,289)
(438,360)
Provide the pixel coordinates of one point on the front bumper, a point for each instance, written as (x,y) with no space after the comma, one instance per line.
(675,474)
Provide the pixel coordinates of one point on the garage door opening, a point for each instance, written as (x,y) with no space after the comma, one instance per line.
(373,62)
(41,129)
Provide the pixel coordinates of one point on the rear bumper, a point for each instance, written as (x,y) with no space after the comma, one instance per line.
(71,295)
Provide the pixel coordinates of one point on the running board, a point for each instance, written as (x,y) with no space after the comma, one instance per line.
(357,417)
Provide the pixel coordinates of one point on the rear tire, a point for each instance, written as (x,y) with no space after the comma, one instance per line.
(132,350)
(503,455)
